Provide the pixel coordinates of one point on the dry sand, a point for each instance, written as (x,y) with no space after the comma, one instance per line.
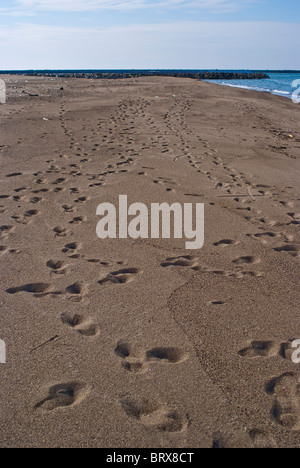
(182,349)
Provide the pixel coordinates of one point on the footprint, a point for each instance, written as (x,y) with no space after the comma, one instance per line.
(77,291)
(68,208)
(260,349)
(74,190)
(231,274)
(40,191)
(61,232)
(120,277)
(78,220)
(294,216)
(34,288)
(166,355)
(63,396)
(133,359)
(3,250)
(5,230)
(185,261)
(82,325)
(59,181)
(35,200)
(292,250)
(136,360)
(58,190)
(247,260)
(286,392)
(57,267)
(286,350)
(15,174)
(225,243)
(81,200)
(105,263)
(219,441)
(254,439)
(27,217)
(20,189)
(71,248)
(262,440)
(264,236)
(156,415)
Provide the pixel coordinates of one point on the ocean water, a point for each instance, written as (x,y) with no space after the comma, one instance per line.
(280,84)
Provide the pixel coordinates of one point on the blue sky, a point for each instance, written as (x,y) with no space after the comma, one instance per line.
(69,34)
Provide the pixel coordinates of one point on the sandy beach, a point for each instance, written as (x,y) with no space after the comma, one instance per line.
(142,343)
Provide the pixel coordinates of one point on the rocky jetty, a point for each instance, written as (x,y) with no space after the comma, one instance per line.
(115,75)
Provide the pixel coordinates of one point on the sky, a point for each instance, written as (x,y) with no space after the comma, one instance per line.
(149,34)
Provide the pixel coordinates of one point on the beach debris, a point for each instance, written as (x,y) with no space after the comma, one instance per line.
(51,340)
(45,119)
(291,136)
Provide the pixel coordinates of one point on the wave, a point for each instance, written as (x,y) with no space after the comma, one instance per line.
(281,92)
(250,86)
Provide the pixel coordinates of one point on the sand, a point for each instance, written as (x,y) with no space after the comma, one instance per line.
(142,343)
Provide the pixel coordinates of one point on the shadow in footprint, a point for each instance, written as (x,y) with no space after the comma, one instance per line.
(120,277)
(224,243)
(80,324)
(61,232)
(63,395)
(57,267)
(247,260)
(184,261)
(167,355)
(34,288)
(292,250)
(260,349)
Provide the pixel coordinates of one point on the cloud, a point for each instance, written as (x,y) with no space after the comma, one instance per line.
(92,5)
(190,44)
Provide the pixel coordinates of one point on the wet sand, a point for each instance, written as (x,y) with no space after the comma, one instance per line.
(142,343)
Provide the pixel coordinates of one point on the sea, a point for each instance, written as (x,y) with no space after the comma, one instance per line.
(280,83)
